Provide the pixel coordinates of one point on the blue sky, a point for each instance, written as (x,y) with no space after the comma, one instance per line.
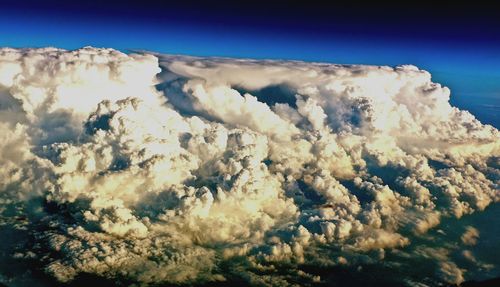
(459,48)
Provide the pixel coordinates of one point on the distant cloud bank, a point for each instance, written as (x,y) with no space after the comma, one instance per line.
(148,168)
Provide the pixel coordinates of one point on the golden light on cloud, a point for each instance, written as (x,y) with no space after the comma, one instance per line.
(167,169)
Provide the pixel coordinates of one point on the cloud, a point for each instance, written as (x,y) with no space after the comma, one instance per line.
(470,236)
(151,169)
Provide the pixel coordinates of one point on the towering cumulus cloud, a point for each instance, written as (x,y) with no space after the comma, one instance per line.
(151,169)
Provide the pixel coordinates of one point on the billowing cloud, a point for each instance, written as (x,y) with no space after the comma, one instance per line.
(148,169)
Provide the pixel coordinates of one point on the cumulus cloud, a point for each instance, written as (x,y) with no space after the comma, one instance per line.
(470,236)
(150,168)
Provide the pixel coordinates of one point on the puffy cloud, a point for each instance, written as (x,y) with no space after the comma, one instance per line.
(470,236)
(153,169)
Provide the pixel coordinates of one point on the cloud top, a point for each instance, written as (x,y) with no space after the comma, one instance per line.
(152,168)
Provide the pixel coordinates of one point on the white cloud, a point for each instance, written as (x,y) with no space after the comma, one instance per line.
(130,182)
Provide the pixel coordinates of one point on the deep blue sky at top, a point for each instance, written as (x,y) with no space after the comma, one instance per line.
(459,43)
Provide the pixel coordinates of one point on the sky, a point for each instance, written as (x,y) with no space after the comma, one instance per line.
(142,168)
(458,43)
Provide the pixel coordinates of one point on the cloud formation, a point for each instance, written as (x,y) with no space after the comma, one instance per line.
(150,168)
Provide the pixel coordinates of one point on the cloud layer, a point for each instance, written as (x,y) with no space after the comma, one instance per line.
(150,169)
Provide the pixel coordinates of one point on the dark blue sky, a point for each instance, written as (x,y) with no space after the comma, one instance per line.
(459,43)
